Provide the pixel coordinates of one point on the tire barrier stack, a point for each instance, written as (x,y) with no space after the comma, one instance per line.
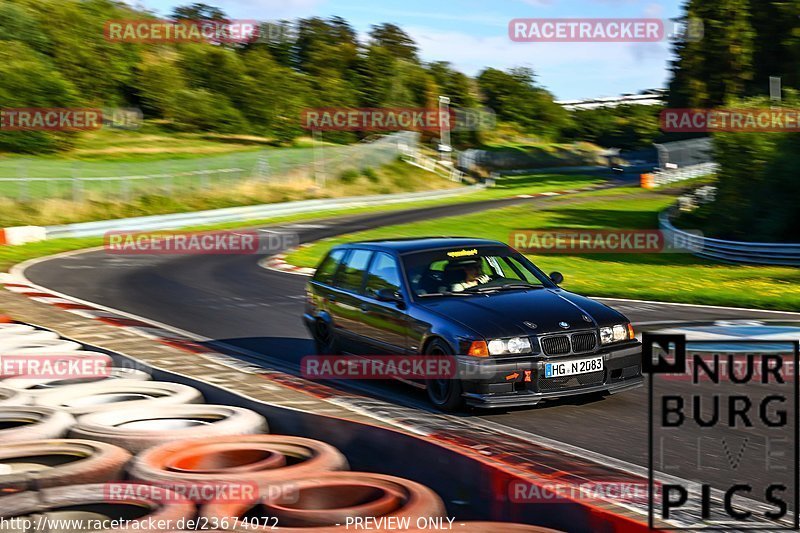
(67,444)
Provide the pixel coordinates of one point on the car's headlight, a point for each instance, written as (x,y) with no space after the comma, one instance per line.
(512,345)
(616,333)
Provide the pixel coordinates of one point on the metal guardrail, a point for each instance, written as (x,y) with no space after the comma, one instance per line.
(412,155)
(242,214)
(665,177)
(758,253)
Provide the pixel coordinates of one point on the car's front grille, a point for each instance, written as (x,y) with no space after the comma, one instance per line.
(583,342)
(570,382)
(555,345)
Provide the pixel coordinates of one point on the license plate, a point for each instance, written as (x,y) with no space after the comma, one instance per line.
(573,366)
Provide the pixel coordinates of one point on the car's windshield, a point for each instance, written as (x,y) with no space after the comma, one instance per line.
(470,270)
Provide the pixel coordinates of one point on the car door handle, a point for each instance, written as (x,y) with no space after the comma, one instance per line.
(332,298)
(364,308)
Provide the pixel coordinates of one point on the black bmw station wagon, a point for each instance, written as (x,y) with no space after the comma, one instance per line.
(517,335)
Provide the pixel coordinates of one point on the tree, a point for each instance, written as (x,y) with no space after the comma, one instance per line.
(159,83)
(717,68)
(28,79)
(199,11)
(274,108)
(395,40)
(776,46)
(101,70)
(515,97)
(19,23)
(319,41)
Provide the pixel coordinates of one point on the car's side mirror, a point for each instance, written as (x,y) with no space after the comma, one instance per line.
(557,277)
(389,295)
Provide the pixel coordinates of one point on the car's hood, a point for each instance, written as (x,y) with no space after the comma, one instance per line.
(504,314)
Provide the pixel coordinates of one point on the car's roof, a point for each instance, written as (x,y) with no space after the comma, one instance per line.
(418,244)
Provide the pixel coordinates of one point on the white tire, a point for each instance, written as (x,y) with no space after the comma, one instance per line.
(39,386)
(44,346)
(136,430)
(33,423)
(7,330)
(114,394)
(9,396)
(29,464)
(9,342)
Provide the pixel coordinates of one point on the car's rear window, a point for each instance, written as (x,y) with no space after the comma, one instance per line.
(351,276)
(327,269)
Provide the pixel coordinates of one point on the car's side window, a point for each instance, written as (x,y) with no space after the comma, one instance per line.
(351,275)
(327,268)
(383,274)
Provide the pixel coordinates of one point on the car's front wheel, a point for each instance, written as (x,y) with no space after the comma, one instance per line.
(443,393)
(324,339)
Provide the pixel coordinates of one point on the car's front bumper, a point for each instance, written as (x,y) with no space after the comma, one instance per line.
(509,382)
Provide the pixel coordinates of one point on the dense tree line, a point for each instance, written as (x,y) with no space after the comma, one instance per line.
(742,44)
(53,53)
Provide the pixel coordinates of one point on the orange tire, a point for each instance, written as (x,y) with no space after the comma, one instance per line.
(262,459)
(321,502)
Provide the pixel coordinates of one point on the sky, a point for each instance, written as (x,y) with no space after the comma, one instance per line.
(473,35)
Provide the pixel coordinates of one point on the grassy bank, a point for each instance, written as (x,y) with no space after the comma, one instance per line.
(10,255)
(392,178)
(668,276)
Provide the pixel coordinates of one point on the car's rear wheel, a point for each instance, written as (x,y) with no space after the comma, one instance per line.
(325,339)
(443,393)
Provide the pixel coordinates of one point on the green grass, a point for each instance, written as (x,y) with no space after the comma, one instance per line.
(153,151)
(667,277)
(10,255)
(391,178)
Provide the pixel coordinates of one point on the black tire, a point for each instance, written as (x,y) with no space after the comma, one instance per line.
(444,394)
(325,342)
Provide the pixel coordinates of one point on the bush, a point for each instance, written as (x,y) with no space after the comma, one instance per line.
(349,176)
(207,111)
(370,174)
(757,191)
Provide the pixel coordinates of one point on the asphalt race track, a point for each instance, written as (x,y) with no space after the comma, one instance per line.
(248,308)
